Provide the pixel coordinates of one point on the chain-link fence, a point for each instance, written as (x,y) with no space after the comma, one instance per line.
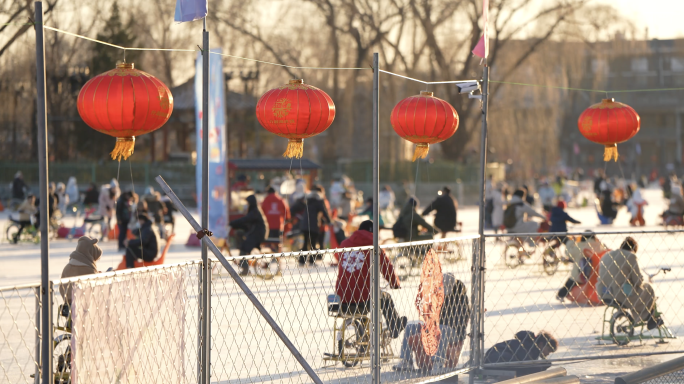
(19,325)
(551,291)
(321,300)
(130,325)
(670,378)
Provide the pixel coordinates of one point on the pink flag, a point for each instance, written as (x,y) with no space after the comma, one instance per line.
(482,48)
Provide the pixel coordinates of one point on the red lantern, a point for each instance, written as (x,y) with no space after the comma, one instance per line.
(295,111)
(609,123)
(125,103)
(424,120)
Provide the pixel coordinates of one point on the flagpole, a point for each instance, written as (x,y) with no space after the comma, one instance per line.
(205,354)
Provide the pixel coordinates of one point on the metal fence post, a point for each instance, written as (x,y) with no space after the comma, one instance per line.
(41,120)
(36,359)
(478,267)
(375,289)
(475,317)
(206,272)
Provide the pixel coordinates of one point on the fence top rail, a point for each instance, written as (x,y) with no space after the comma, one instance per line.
(364,248)
(551,234)
(17,287)
(580,359)
(124,272)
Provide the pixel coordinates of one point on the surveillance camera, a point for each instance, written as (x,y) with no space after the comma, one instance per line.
(467,86)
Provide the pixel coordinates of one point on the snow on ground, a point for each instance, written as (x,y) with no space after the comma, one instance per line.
(515,299)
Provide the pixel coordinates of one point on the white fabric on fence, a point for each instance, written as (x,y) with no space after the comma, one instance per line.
(130,328)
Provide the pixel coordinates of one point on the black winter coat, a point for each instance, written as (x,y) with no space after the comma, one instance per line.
(445,217)
(123,212)
(253,223)
(146,236)
(18,186)
(455,311)
(522,348)
(608,207)
(317,213)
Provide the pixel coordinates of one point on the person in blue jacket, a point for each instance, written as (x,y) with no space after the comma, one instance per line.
(559,219)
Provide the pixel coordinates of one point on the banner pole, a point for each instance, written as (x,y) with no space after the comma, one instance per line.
(206,270)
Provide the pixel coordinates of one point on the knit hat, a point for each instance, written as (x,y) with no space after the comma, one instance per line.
(449,281)
(562,204)
(87,251)
(367,226)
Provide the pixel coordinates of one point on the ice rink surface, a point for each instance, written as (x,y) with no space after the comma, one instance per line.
(515,299)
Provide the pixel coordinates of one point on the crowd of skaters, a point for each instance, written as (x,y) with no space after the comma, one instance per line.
(139,221)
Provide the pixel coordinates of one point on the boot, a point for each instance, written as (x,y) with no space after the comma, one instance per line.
(654,323)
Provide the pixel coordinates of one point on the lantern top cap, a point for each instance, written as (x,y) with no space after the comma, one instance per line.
(297,81)
(426,93)
(611,100)
(125,65)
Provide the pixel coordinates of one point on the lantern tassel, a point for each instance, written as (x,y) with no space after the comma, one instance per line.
(295,148)
(421,151)
(610,153)
(123,149)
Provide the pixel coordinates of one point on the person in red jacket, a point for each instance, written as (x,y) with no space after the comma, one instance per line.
(277,212)
(353,279)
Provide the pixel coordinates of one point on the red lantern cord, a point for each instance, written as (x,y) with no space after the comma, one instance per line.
(125,103)
(295,111)
(609,123)
(424,120)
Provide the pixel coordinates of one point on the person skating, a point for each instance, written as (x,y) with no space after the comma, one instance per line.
(145,246)
(525,346)
(123,215)
(518,214)
(621,282)
(277,212)
(353,283)
(19,187)
(156,209)
(547,195)
(453,322)
(499,201)
(559,219)
(63,198)
(575,251)
(675,210)
(26,210)
(410,225)
(72,191)
(636,204)
(315,214)
(91,196)
(109,193)
(609,208)
(445,208)
(255,226)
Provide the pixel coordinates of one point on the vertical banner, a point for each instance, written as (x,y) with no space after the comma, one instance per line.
(217,143)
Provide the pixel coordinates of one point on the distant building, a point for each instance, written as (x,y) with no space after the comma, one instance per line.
(630,65)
